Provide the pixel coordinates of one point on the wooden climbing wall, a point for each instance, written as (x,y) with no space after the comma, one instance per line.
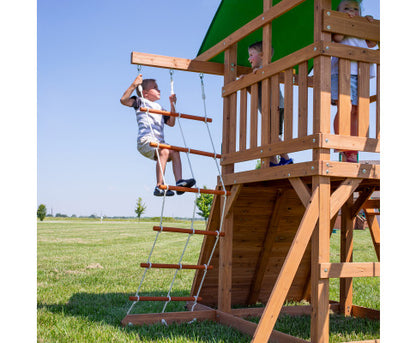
(266,218)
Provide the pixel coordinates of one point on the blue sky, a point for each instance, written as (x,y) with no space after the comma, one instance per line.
(86,150)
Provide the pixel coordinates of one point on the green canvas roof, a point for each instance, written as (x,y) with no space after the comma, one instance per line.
(290,32)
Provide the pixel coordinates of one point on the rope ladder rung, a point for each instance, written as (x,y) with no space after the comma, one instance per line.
(176,114)
(175,266)
(190,231)
(140,298)
(195,190)
(177,148)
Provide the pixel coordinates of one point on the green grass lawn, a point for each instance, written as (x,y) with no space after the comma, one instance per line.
(87,270)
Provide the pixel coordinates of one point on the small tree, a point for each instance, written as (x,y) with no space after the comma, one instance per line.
(41,213)
(204,203)
(140,207)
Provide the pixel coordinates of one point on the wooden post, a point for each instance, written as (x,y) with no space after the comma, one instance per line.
(320,254)
(228,145)
(266,87)
(347,228)
(321,184)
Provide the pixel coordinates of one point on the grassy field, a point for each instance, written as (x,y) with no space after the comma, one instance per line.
(87,270)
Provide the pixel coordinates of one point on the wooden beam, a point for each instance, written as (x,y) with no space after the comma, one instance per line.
(351,170)
(249,328)
(341,195)
(283,172)
(350,52)
(361,200)
(342,23)
(176,63)
(302,190)
(349,269)
(261,20)
(288,271)
(287,62)
(170,317)
(374,230)
(235,191)
(266,250)
(267,150)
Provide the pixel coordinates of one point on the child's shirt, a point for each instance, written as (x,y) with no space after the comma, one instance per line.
(357,42)
(151,125)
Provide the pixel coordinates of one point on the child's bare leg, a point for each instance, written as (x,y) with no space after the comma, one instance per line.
(176,164)
(160,169)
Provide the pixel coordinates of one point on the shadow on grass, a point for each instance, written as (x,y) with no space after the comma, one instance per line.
(111,308)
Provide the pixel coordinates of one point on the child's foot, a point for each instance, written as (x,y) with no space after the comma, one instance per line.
(184,183)
(160,192)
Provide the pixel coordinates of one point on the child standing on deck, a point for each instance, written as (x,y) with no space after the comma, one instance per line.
(151,129)
(353,9)
(255,57)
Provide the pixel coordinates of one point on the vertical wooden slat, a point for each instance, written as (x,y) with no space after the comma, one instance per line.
(288,121)
(274,112)
(243,119)
(378,103)
(265,117)
(254,103)
(347,228)
(233,122)
(303,99)
(344,97)
(363,99)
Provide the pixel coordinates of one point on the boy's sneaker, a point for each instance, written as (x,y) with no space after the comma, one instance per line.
(184,183)
(284,161)
(161,192)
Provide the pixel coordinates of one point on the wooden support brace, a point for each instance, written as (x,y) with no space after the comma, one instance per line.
(235,191)
(341,195)
(301,189)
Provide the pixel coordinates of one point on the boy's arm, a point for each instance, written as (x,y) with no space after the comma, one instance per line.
(171,120)
(125,99)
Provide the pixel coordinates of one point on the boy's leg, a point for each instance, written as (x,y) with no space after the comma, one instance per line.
(160,169)
(176,164)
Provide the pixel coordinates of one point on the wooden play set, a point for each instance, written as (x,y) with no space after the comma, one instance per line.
(273,224)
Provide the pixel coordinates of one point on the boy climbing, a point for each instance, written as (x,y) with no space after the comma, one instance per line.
(151,129)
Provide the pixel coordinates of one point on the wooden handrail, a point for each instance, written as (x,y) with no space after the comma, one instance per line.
(174,266)
(175,114)
(139,298)
(342,23)
(177,148)
(190,231)
(194,190)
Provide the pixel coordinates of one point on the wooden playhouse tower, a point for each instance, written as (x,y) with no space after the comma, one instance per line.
(278,220)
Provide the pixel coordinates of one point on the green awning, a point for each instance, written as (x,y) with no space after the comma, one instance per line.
(290,32)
